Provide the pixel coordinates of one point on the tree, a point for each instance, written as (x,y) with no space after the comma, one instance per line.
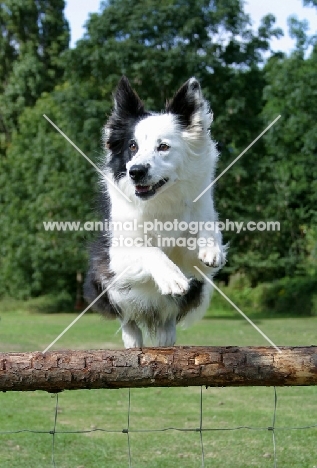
(290,170)
(49,181)
(34,35)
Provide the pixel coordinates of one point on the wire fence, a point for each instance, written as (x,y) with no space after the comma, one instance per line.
(204,432)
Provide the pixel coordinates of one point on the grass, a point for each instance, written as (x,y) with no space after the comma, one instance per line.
(223,408)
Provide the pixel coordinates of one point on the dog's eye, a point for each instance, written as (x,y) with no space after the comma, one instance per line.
(163,147)
(133,146)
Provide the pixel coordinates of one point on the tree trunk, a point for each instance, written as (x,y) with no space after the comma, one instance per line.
(158,367)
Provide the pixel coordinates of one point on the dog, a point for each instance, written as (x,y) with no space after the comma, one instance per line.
(155,165)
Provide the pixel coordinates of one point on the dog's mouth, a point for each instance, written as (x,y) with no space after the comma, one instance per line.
(147,191)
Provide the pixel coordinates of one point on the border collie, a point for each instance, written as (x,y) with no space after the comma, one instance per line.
(155,165)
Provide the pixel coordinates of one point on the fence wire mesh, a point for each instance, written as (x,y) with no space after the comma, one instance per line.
(203,430)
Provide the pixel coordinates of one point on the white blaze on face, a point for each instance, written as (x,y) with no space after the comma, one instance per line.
(149,134)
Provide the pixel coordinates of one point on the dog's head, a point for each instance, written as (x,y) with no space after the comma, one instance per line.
(149,152)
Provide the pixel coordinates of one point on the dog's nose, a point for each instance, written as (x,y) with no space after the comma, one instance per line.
(138,172)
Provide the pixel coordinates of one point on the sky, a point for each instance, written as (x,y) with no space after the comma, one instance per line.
(77,13)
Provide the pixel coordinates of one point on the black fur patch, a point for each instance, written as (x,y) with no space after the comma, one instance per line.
(184,103)
(98,270)
(128,112)
(191,299)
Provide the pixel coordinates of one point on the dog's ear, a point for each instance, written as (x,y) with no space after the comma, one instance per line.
(186,102)
(126,101)
(128,107)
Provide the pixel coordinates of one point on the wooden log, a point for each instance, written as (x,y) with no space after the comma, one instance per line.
(158,367)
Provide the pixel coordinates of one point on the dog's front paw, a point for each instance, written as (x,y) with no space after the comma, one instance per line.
(172,282)
(212,256)
(176,285)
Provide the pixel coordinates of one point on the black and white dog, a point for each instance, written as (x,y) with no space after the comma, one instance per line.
(155,166)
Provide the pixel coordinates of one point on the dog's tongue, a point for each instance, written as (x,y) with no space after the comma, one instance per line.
(142,188)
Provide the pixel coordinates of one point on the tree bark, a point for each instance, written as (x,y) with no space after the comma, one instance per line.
(158,367)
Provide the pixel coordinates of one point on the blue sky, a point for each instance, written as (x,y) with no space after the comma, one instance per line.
(77,12)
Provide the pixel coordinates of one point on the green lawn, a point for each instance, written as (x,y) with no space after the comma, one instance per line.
(223,408)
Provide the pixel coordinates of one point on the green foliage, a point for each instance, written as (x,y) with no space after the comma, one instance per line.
(34,35)
(285,297)
(291,296)
(51,303)
(59,302)
(159,44)
(49,181)
(289,169)
(298,31)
